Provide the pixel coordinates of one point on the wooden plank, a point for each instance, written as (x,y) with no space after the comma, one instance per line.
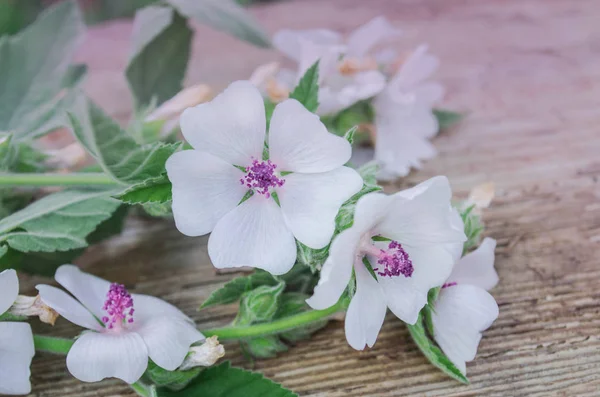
(528,74)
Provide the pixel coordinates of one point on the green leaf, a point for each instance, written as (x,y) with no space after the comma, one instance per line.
(224,381)
(173,380)
(349,135)
(3,250)
(307,90)
(368,173)
(233,290)
(446,118)
(301,278)
(160,210)
(310,257)
(345,217)
(58,222)
(226,16)
(153,190)
(432,352)
(260,304)
(264,346)
(118,153)
(473,228)
(295,303)
(160,50)
(33,65)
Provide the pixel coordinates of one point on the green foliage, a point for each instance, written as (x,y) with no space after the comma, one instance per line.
(310,257)
(349,135)
(368,172)
(117,153)
(223,15)
(263,347)
(345,216)
(225,381)
(307,90)
(160,50)
(153,190)
(259,304)
(446,118)
(295,303)
(360,113)
(59,222)
(171,380)
(34,65)
(233,290)
(432,352)
(473,228)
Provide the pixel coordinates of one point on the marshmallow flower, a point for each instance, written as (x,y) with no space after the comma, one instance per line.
(125,329)
(464,308)
(420,233)
(16,342)
(404,116)
(348,73)
(304,168)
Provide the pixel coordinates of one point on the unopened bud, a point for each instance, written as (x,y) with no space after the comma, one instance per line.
(204,355)
(29,306)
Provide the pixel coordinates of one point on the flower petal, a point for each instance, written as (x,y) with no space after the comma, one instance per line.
(362,86)
(168,340)
(287,41)
(417,68)
(16,352)
(231,126)
(253,234)
(300,142)
(460,313)
(422,216)
(148,307)
(310,203)
(9,289)
(90,290)
(68,307)
(205,188)
(366,311)
(406,296)
(477,268)
(96,356)
(428,94)
(367,36)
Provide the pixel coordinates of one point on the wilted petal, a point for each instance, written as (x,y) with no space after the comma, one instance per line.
(9,289)
(477,268)
(363,39)
(205,188)
(96,356)
(68,307)
(231,126)
(16,352)
(253,234)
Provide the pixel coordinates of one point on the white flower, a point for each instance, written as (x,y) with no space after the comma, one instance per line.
(228,135)
(423,230)
(127,329)
(464,308)
(348,72)
(16,342)
(404,116)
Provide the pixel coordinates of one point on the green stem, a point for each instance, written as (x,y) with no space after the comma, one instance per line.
(56,179)
(51,344)
(274,327)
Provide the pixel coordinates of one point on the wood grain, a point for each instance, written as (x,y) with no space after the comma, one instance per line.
(528,74)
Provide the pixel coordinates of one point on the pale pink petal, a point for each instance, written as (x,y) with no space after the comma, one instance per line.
(477,267)
(287,41)
(9,289)
(90,290)
(367,36)
(65,305)
(16,352)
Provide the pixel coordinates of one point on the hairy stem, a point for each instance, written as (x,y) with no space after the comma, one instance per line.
(56,179)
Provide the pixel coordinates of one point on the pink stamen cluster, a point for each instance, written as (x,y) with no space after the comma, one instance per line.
(446,285)
(118,306)
(395,261)
(260,176)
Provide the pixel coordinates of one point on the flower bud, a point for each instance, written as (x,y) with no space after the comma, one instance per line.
(29,306)
(204,355)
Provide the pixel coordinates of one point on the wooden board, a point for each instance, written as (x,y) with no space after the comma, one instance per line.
(528,74)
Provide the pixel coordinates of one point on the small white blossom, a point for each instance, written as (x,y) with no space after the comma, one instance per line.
(16,342)
(422,233)
(204,355)
(404,116)
(464,308)
(125,329)
(304,168)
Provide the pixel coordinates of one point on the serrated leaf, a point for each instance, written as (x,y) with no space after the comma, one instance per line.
(446,118)
(234,289)
(264,346)
(153,190)
(307,90)
(226,16)
(59,222)
(33,65)
(160,210)
(224,381)
(432,352)
(173,380)
(117,152)
(159,57)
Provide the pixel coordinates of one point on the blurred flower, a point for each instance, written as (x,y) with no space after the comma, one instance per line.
(404,116)
(464,308)
(127,329)
(204,355)
(226,185)
(16,342)
(481,196)
(409,239)
(348,71)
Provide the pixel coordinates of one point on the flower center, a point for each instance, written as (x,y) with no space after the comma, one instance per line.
(118,306)
(261,177)
(391,262)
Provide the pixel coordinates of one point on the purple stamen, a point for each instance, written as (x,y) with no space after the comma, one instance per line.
(446,285)
(395,261)
(260,176)
(118,306)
